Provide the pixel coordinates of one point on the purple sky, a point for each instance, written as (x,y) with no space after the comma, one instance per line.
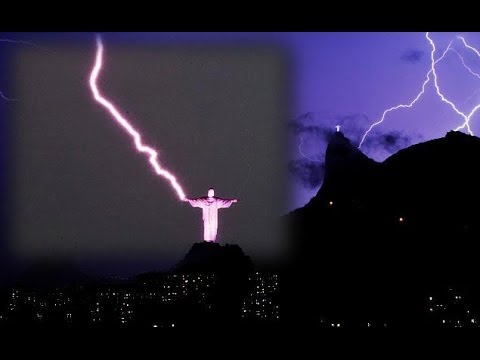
(334,78)
(351,78)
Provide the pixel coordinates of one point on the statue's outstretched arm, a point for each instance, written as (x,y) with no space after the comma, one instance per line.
(195,202)
(226,203)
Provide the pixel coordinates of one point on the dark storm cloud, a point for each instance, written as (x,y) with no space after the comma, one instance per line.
(394,141)
(308,173)
(311,124)
(311,128)
(306,117)
(412,55)
(391,141)
(318,129)
(352,118)
(353,126)
(298,128)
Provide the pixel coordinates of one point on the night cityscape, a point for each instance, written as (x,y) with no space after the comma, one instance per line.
(152,300)
(239,180)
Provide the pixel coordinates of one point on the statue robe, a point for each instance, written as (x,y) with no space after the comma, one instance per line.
(210,206)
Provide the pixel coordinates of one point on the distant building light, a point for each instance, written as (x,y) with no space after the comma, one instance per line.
(431,298)
(400,219)
(155,325)
(330,203)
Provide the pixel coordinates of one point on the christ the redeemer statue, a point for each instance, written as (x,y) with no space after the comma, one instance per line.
(210,205)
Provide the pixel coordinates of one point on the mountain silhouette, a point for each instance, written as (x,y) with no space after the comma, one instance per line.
(49,274)
(210,257)
(231,268)
(377,237)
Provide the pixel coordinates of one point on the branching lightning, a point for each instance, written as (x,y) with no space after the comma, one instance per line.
(124,123)
(302,153)
(474,110)
(414,101)
(468,46)
(437,87)
(432,74)
(465,65)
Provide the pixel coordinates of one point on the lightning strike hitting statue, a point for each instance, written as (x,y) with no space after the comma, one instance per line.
(210,205)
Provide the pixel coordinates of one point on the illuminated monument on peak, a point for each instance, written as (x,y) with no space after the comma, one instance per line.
(210,205)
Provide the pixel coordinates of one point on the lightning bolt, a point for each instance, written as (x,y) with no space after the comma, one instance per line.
(302,153)
(469,70)
(468,46)
(414,101)
(11,41)
(432,74)
(4,97)
(474,110)
(124,123)
(437,87)
(465,65)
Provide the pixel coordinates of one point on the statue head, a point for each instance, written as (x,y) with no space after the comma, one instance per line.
(211,192)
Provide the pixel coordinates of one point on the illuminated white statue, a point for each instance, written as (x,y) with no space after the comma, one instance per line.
(338,128)
(210,205)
